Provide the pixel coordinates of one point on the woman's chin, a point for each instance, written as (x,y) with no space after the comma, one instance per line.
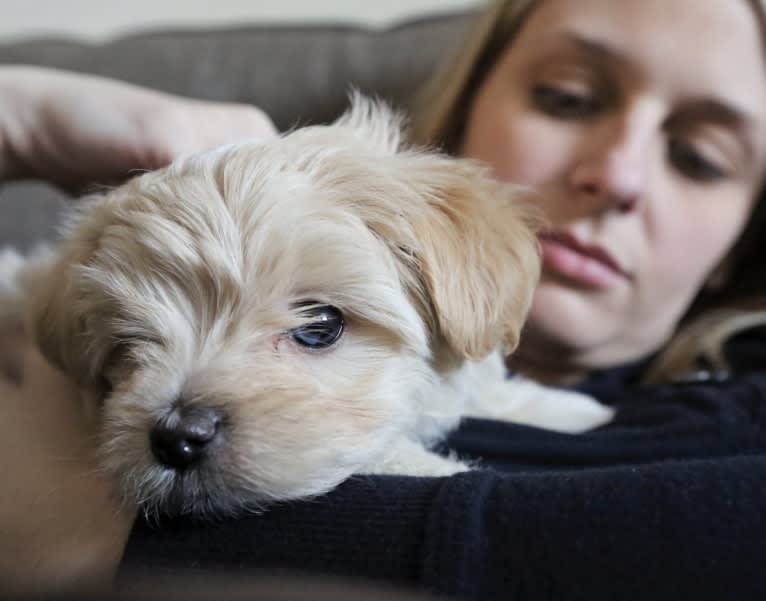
(571,322)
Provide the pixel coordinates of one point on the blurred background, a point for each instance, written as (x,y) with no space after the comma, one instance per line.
(295,59)
(100,19)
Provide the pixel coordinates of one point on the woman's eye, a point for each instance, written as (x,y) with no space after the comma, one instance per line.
(558,102)
(692,163)
(324,329)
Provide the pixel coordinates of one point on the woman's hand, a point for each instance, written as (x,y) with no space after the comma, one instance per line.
(73,129)
(62,525)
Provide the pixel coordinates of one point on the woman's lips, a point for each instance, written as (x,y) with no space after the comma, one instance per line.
(586,264)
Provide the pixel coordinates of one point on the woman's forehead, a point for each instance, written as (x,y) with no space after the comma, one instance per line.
(714,46)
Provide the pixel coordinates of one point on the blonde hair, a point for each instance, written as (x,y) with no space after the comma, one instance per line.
(441,107)
(440,113)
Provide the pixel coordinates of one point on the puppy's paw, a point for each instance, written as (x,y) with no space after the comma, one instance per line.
(526,402)
(409,458)
(565,411)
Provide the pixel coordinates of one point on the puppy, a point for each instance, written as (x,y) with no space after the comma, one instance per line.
(260,322)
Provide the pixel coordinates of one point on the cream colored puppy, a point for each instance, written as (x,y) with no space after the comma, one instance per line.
(260,322)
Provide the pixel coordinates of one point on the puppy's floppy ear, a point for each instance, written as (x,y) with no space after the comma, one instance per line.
(477,252)
(468,240)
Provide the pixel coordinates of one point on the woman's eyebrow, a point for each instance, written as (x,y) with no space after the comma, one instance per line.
(719,110)
(598,49)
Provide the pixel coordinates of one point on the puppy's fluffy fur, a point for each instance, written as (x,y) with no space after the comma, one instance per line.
(182,291)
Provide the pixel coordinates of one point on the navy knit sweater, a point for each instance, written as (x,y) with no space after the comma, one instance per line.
(666,502)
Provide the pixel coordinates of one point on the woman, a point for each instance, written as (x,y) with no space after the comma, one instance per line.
(648,150)
(572,107)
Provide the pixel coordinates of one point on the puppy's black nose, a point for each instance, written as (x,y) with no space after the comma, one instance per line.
(180,439)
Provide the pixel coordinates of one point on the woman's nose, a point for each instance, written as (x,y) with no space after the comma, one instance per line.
(612,172)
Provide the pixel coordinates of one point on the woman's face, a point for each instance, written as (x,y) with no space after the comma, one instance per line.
(641,124)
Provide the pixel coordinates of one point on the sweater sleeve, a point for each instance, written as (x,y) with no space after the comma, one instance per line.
(691,529)
(670,530)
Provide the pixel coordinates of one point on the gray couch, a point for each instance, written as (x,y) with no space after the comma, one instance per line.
(296,74)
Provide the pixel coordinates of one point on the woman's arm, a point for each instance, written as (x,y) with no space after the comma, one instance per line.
(673,530)
(72,129)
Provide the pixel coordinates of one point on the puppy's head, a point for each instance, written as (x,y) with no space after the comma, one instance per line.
(257,322)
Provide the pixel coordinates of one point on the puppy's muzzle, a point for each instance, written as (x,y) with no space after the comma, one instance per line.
(181,439)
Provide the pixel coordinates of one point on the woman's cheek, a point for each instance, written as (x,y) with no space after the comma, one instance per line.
(543,152)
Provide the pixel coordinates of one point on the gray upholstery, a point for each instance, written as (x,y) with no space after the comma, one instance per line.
(298,75)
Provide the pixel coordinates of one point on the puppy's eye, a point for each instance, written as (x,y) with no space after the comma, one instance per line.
(106,384)
(324,329)
(120,361)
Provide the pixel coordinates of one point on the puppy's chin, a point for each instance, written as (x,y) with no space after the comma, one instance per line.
(205,491)
(226,482)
